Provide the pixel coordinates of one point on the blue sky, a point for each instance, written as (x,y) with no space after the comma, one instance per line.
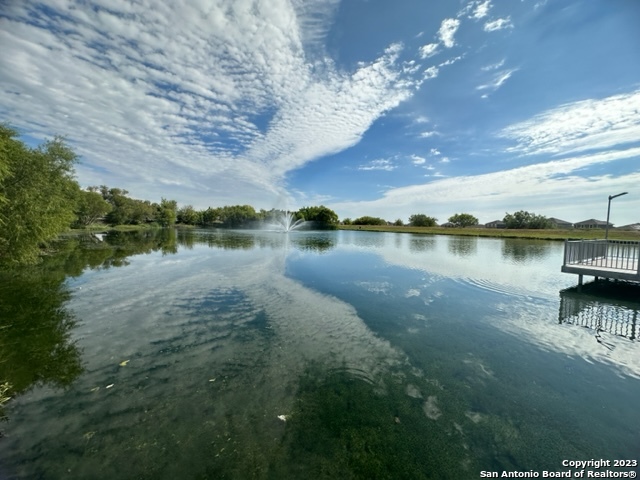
(369,107)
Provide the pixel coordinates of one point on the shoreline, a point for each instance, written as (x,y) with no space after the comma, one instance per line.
(542,234)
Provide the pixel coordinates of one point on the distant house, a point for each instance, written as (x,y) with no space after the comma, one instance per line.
(557,223)
(496,224)
(592,223)
(632,227)
(448,225)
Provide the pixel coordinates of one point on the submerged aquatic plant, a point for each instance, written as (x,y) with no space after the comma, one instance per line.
(4,390)
(4,398)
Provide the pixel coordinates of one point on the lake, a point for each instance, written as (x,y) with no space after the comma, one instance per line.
(340,354)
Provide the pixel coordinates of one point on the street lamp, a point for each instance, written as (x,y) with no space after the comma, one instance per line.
(611,197)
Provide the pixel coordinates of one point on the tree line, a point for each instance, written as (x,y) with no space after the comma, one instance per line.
(416,220)
(41,198)
(114,207)
(518,220)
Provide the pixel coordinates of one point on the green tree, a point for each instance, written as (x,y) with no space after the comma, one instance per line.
(188,215)
(398,223)
(323,216)
(367,220)
(524,219)
(237,215)
(463,220)
(167,215)
(347,221)
(421,220)
(90,206)
(37,192)
(126,210)
(209,216)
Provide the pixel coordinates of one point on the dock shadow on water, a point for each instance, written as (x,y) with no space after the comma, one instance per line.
(352,355)
(610,310)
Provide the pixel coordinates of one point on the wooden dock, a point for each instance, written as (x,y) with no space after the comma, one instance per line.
(617,259)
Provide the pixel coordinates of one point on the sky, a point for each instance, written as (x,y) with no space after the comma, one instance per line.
(369,107)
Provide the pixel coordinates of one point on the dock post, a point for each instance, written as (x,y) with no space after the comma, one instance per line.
(580,279)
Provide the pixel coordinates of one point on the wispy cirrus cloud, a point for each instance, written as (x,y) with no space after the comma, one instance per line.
(592,124)
(384,164)
(493,66)
(498,24)
(498,79)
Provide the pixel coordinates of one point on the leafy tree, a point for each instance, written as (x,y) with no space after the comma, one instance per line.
(524,219)
(167,215)
(237,215)
(90,206)
(421,220)
(126,210)
(367,220)
(188,215)
(398,223)
(322,215)
(209,216)
(463,220)
(347,221)
(37,195)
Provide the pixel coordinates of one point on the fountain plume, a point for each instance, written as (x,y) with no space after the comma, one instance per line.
(286,222)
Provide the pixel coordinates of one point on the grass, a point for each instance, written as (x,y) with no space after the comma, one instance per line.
(103,227)
(547,234)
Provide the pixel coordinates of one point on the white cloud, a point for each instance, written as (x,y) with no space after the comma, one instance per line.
(499,24)
(580,126)
(221,99)
(381,164)
(417,160)
(435,151)
(428,50)
(447,31)
(451,61)
(493,66)
(481,10)
(553,188)
(428,134)
(498,80)
(431,72)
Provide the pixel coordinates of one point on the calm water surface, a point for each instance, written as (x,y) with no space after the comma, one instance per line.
(217,354)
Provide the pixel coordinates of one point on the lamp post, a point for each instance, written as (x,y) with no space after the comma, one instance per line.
(606,228)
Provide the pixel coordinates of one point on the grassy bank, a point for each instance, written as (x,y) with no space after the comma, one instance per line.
(101,227)
(573,234)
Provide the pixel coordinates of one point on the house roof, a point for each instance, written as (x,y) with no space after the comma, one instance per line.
(631,226)
(559,221)
(592,221)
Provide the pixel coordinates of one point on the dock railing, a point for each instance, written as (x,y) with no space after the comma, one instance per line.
(616,254)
